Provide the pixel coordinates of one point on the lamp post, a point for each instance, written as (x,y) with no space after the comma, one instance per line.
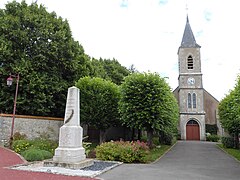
(9,83)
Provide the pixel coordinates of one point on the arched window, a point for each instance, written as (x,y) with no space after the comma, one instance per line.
(194,101)
(192,122)
(190,62)
(189,100)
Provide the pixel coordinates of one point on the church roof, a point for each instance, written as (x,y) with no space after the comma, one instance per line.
(188,40)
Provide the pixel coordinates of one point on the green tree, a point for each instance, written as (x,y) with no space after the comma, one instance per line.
(229,112)
(99,103)
(109,69)
(147,103)
(114,70)
(39,46)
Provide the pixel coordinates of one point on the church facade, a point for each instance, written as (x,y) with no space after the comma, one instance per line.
(197,107)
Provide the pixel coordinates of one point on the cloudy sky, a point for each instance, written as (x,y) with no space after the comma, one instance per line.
(147,33)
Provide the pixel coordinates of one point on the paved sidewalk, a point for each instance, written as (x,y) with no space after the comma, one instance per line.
(9,158)
(187,160)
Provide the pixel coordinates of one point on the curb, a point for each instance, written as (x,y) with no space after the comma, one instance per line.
(228,154)
(164,153)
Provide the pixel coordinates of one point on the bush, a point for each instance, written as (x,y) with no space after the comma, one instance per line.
(44,144)
(228,142)
(36,154)
(127,152)
(213,138)
(211,128)
(87,147)
(165,138)
(21,145)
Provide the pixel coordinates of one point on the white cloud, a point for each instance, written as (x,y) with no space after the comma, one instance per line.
(147,33)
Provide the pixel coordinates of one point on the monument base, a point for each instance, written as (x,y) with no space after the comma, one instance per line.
(77,165)
(69,155)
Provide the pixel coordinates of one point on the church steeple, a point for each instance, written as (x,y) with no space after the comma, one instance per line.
(188,40)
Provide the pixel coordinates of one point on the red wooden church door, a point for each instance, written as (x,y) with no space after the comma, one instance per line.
(193,132)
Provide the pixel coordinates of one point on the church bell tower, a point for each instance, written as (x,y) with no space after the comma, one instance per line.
(190,88)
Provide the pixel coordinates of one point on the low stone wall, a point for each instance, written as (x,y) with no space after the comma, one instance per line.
(32,126)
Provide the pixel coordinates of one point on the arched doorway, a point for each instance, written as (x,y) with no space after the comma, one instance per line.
(192,130)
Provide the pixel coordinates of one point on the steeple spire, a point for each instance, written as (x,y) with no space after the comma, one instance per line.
(188,40)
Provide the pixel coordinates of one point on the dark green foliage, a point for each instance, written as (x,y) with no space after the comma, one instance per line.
(127,152)
(44,144)
(212,138)
(228,142)
(36,154)
(165,138)
(114,70)
(109,69)
(39,46)
(147,103)
(229,113)
(211,128)
(99,103)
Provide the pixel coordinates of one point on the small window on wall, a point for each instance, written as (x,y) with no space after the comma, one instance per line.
(190,62)
(194,101)
(189,100)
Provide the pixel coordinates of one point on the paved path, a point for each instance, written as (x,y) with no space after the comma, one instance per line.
(9,158)
(187,160)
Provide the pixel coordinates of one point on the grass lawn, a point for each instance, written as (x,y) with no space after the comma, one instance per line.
(233,152)
(157,153)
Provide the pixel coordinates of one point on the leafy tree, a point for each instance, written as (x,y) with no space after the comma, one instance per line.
(97,69)
(114,70)
(147,103)
(229,112)
(99,103)
(109,69)
(39,46)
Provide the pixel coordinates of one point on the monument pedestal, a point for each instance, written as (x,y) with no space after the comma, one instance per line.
(70,153)
(78,165)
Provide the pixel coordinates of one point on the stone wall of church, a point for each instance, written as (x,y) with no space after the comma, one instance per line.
(210,107)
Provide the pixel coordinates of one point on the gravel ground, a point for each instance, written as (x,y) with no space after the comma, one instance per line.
(92,171)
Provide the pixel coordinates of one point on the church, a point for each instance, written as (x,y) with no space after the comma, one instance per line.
(197,107)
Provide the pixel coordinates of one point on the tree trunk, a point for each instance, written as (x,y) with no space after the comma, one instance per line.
(102,137)
(150,138)
(139,134)
(133,134)
(236,140)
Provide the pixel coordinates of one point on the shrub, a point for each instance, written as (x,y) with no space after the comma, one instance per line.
(165,138)
(228,142)
(21,145)
(44,144)
(107,151)
(127,152)
(213,138)
(211,128)
(36,154)
(87,147)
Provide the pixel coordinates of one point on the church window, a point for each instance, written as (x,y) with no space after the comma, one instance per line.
(189,100)
(190,62)
(192,122)
(194,101)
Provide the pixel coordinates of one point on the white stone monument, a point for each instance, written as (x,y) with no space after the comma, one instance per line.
(70,152)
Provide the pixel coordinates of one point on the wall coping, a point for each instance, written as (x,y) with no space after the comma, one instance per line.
(32,117)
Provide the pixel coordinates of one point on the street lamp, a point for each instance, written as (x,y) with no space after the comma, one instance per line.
(9,83)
